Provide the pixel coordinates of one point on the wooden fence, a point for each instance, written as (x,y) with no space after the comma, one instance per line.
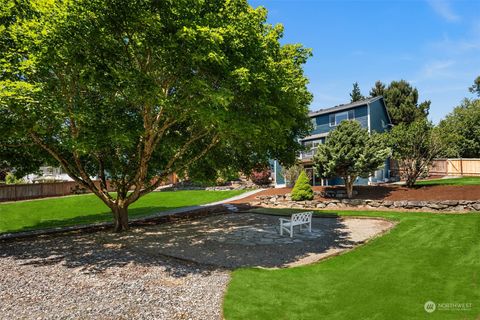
(14,192)
(455,167)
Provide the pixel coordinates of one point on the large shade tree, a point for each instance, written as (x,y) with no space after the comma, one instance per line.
(349,152)
(130,91)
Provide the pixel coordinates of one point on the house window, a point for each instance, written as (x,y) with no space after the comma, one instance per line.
(336,118)
(311,148)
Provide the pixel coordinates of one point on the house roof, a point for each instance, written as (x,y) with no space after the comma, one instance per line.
(344,106)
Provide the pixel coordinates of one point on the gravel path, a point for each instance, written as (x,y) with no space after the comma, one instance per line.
(103,276)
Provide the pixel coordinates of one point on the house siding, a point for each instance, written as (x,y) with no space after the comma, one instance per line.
(371,115)
(322,122)
(378,117)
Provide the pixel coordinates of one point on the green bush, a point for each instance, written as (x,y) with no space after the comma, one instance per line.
(11,179)
(302,189)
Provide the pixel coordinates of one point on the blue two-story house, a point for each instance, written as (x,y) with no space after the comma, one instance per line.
(371,113)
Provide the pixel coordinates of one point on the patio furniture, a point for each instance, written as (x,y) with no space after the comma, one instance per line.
(297,219)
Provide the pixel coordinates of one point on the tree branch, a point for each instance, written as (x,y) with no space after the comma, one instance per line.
(106,198)
(169,167)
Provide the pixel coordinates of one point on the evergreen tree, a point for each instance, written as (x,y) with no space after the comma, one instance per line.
(402,103)
(302,189)
(356,95)
(350,152)
(475,88)
(378,89)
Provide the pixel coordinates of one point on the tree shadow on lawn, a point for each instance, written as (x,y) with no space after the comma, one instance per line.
(182,247)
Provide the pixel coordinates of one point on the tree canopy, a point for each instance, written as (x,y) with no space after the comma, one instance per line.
(464,124)
(475,88)
(378,89)
(350,151)
(402,101)
(415,145)
(131,91)
(356,94)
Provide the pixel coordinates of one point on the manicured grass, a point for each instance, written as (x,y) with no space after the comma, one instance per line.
(425,257)
(74,210)
(464,181)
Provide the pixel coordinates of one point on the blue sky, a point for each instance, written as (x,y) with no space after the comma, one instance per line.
(435,45)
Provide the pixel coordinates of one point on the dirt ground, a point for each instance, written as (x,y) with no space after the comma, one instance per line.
(394,193)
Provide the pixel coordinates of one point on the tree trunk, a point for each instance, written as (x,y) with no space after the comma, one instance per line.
(410,182)
(349,186)
(120,218)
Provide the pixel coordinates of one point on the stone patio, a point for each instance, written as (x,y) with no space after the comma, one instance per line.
(261,235)
(246,239)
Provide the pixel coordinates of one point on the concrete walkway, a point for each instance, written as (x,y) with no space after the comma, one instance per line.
(173,212)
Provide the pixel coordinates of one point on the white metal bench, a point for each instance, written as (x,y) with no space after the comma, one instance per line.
(297,219)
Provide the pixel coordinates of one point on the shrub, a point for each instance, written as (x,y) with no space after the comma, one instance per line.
(302,189)
(261,176)
(11,179)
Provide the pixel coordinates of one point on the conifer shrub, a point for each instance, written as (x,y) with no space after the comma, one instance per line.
(302,189)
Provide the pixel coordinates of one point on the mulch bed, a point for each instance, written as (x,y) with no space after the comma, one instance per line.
(392,192)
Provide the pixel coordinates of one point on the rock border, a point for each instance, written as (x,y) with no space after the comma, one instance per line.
(431,205)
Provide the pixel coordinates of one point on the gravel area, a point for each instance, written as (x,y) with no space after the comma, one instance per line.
(103,276)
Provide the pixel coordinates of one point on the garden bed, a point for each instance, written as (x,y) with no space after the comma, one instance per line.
(391,193)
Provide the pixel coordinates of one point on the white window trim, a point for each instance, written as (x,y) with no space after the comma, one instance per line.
(335,117)
(338,113)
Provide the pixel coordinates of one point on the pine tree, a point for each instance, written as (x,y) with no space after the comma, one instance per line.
(378,89)
(356,95)
(475,88)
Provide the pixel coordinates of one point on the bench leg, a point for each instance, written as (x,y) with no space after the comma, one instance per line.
(291,231)
(310,226)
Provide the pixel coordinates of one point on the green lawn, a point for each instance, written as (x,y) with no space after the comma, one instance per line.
(74,210)
(464,181)
(425,257)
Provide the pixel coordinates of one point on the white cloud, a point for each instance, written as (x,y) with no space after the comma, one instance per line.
(456,46)
(443,8)
(437,68)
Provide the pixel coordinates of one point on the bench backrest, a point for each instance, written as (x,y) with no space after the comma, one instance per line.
(302,216)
